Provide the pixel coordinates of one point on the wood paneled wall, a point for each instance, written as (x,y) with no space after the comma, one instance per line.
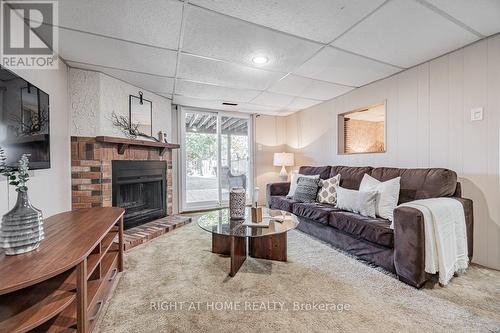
(428,125)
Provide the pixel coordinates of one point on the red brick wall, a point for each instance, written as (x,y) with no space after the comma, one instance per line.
(91,170)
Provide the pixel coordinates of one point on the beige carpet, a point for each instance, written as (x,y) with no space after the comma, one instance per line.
(179,267)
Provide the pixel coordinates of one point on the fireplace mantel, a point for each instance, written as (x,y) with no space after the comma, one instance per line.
(125,143)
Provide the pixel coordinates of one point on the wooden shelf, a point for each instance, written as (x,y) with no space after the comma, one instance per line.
(94,286)
(65,322)
(108,260)
(125,143)
(54,289)
(63,248)
(92,263)
(30,307)
(108,241)
(92,289)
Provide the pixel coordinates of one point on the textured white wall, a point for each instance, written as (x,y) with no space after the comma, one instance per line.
(50,189)
(94,96)
(84,91)
(428,125)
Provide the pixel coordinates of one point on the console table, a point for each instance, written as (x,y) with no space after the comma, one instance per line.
(62,286)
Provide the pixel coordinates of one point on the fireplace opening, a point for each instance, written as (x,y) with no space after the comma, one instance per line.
(140,188)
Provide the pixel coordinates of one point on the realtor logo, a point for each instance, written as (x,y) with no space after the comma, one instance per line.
(29,34)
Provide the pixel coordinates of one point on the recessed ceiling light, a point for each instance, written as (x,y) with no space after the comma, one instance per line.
(260,60)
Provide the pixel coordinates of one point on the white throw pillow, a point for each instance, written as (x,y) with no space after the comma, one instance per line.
(387,197)
(294,178)
(328,190)
(360,202)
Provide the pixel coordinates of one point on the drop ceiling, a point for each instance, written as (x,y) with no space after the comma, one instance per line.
(199,52)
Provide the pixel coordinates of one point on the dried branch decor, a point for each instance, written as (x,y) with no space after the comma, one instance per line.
(131,130)
(123,123)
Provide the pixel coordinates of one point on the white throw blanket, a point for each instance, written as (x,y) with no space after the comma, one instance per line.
(445,236)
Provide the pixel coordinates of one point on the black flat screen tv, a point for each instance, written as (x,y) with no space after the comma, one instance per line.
(24,121)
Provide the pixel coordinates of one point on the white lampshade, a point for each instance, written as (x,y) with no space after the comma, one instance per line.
(283,159)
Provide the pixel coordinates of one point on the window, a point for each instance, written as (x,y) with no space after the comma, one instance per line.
(362,130)
(216,156)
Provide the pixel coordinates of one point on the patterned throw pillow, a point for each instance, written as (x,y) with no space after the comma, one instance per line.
(328,190)
(307,189)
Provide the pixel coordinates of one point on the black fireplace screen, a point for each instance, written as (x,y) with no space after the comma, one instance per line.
(140,188)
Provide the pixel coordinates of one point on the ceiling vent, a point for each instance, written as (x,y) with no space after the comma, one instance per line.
(231,104)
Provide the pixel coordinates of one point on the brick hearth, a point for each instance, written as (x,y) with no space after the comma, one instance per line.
(91,170)
(147,231)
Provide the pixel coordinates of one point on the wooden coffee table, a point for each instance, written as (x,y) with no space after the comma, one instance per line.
(229,237)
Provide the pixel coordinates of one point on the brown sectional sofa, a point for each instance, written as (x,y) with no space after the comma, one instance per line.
(400,250)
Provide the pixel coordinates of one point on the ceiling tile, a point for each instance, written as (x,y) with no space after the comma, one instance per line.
(291,85)
(324,90)
(272,99)
(302,103)
(152,83)
(217,105)
(344,68)
(224,74)
(253,108)
(320,20)
(154,22)
(481,15)
(404,33)
(81,47)
(214,35)
(206,91)
(304,87)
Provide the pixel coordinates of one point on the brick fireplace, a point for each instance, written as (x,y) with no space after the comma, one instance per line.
(91,167)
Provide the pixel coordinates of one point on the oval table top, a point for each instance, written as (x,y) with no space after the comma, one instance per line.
(69,239)
(218,222)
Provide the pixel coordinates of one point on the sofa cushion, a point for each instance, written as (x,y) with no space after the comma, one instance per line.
(375,230)
(328,190)
(281,202)
(314,211)
(350,177)
(361,202)
(387,194)
(420,183)
(294,180)
(322,171)
(307,189)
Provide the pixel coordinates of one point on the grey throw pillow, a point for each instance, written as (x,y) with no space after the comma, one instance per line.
(359,202)
(307,189)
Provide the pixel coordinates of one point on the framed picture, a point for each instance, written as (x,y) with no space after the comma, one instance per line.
(141,112)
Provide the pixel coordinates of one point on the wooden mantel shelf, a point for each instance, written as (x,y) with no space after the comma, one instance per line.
(124,143)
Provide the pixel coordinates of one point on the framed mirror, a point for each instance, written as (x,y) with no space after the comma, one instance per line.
(363,130)
(141,112)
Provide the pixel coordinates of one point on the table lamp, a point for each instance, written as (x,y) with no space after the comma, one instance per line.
(283,160)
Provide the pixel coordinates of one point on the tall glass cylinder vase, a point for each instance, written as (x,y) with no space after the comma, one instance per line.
(237,200)
(22,227)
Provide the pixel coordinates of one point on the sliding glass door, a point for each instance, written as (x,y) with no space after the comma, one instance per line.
(216,156)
